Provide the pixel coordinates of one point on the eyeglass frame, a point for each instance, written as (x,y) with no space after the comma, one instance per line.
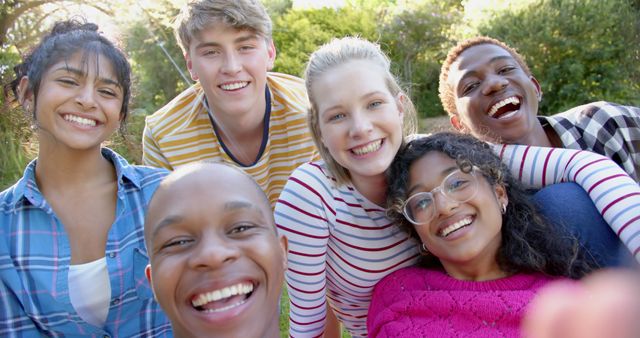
(439,188)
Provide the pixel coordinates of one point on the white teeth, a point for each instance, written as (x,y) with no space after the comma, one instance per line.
(371,147)
(494,109)
(455,226)
(80,120)
(234,86)
(226,292)
(225,307)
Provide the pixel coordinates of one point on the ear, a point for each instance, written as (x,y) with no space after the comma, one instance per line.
(194,76)
(147,273)
(537,84)
(271,54)
(25,96)
(284,245)
(456,123)
(501,194)
(400,101)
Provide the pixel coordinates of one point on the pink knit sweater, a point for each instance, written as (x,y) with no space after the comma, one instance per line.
(417,302)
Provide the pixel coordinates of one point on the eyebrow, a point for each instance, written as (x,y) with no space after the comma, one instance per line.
(443,174)
(165,222)
(81,73)
(241,39)
(493,59)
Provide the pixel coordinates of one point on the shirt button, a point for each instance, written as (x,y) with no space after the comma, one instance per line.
(115,301)
(112,254)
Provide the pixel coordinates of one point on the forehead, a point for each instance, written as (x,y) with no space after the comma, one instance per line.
(219,32)
(432,166)
(207,194)
(348,81)
(88,62)
(475,58)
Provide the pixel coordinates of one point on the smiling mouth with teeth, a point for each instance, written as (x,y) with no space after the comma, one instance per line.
(223,299)
(79,120)
(234,85)
(505,108)
(455,227)
(369,148)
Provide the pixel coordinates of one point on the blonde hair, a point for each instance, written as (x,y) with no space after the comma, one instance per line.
(197,15)
(338,52)
(445,90)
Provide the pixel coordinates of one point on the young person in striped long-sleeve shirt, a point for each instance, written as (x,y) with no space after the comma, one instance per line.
(486,250)
(340,241)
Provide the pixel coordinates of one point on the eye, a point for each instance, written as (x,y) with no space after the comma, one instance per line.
(68,81)
(241,228)
(108,92)
(374,104)
(506,70)
(210,52)
(246,48)
(176,243)
(336,117)
(470,87)
(456,183)
(421,202)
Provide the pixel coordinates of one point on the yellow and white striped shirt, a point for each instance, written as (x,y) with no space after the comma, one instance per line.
(181,132)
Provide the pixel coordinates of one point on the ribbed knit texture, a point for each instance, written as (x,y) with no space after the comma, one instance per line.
(416,302)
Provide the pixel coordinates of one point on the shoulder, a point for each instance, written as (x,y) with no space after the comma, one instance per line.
(144,177)
(13,194)
(181,104)
(406,279)
(287,88)
(601,110)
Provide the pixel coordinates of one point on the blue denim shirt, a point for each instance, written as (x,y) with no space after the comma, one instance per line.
(35,255)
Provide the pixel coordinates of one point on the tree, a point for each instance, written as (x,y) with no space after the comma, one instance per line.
(579,50)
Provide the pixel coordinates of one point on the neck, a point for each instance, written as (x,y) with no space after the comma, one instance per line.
(72,169)
(538,137)
(374,188)
(483,266)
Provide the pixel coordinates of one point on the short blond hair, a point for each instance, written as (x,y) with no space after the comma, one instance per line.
(197,15)
(333,54)
(445,90)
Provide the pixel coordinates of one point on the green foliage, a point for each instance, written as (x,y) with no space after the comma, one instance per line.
(581,50)
(156,78)
(298,33)
(16,153)
(416,39)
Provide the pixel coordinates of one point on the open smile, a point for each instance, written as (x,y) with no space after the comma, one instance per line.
(448,230)
(223,299)
(80,121)
(367,148)
(231,86)
(505,108)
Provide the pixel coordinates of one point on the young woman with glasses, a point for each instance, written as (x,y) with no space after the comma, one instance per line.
(485,249)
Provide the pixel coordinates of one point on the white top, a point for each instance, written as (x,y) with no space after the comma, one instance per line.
(90,291)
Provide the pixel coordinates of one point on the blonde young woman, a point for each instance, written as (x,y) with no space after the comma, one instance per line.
(341,242)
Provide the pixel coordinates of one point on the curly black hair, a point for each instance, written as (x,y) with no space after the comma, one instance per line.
(64,40)
(529,242)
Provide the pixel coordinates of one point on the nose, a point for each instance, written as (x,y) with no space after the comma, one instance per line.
(85,97)
(232,64)
(442,203)
(361,125)
(213,252)
(494,83)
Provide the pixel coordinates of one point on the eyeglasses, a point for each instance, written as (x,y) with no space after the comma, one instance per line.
(458,187)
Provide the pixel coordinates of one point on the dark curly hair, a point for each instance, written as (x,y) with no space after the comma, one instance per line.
(65,39)
(529,243)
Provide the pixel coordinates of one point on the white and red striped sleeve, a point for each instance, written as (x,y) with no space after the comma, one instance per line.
(614,193)
(300,215)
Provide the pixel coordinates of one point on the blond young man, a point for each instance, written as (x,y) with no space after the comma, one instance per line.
(238,111)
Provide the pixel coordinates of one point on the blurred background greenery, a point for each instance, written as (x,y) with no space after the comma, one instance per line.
(580,50)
